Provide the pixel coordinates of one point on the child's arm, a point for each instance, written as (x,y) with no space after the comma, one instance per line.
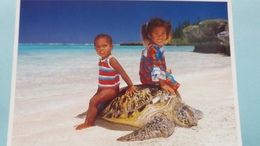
(119,69)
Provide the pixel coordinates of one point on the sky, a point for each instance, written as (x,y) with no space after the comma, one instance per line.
(63,21)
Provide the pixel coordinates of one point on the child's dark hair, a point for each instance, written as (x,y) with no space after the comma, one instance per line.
(106,36)
(147,29)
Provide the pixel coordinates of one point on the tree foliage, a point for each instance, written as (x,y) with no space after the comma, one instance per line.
(178,37)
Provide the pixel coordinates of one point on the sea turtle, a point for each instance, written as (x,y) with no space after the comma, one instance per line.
(153,110)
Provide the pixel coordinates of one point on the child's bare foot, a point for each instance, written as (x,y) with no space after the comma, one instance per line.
(83,126)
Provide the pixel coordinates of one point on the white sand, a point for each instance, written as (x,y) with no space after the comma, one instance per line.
(206,84)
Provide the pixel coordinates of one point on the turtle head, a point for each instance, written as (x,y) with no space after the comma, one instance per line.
(184,116)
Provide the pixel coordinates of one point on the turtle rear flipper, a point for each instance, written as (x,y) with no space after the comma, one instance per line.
(160,126)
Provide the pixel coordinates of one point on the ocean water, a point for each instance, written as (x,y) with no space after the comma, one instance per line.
(47,70)
(51,77)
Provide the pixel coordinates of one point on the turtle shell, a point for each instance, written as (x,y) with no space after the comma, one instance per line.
(153,110)
(135,110)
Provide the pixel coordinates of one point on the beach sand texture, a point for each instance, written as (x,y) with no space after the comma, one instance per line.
(64,92)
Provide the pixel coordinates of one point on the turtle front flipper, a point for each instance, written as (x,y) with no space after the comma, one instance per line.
(160,126)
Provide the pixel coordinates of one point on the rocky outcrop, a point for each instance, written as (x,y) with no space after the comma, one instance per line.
(210,36)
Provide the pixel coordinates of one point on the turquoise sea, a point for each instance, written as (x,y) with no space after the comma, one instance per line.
(57,67)
(42,54)
(25,48)
(49,71)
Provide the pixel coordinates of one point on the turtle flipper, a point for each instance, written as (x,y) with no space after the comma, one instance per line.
(160,126)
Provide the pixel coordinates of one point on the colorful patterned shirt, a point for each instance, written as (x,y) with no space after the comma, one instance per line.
(153,67)
(152,64)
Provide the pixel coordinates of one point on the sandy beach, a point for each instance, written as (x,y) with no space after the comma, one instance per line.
(206,84)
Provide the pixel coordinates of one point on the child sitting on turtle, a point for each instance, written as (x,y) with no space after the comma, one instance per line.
(109,71)
(155,34)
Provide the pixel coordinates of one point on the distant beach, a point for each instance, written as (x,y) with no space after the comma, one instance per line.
(55,82)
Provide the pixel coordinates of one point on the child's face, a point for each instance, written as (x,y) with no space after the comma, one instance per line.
(158,36)
(103,47)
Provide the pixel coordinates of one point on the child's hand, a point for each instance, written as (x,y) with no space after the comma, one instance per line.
(169,71)
(131,90)
(168,88)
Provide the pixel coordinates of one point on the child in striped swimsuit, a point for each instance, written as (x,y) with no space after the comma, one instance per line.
(109,71)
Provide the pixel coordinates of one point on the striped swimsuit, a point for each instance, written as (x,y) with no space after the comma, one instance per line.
(107,77)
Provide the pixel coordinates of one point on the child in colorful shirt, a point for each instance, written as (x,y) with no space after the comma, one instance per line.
(153,70)
(109,71)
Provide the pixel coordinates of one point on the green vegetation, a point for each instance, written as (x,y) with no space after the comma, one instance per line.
(182,41)
(178,38)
